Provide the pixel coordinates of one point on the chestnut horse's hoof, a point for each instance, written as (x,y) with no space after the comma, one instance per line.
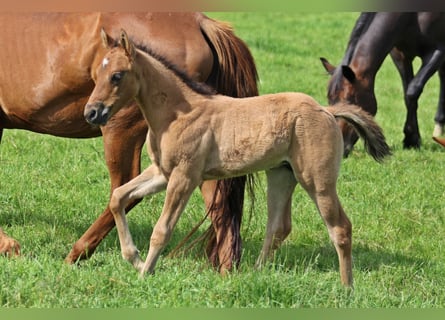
(8,246)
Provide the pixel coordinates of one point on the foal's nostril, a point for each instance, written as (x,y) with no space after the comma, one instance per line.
(91,116)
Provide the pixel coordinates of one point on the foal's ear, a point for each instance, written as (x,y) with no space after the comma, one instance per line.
(126,44)
(106,39)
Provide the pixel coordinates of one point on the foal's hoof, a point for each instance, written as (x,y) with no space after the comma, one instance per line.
(9,246)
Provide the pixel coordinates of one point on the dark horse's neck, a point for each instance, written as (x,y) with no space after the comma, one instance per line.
(373,37)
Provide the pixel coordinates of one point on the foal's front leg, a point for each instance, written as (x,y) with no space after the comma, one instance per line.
(150,181)
(179,190)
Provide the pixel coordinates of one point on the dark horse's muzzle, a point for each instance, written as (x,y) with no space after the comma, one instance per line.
(96,113)
(350,137)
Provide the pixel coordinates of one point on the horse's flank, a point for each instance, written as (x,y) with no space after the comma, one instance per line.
(58,74)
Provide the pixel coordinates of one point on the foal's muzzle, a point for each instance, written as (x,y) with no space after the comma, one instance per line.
(97,113)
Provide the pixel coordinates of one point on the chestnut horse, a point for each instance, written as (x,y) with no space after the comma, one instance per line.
(37,45)
(405,36)
(196,135)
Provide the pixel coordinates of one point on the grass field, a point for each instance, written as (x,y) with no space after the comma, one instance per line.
(51,189)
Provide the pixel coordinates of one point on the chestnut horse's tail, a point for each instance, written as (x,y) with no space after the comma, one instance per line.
(234,74)
(366,127)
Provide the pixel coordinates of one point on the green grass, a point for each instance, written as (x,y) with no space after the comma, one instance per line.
(51,189)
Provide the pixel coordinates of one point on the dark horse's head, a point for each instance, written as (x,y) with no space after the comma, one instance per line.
(347,87)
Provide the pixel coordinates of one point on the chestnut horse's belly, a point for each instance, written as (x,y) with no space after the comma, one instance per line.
(46,68)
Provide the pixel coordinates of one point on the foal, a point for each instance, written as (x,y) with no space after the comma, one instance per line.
(196,135)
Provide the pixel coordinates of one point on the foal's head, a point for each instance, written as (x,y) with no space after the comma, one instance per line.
(115,81)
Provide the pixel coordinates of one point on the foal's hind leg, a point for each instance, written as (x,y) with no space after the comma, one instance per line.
(150,181)
(339,227)
(280,186)
(340,231)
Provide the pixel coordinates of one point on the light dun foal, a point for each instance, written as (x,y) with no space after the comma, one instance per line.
(197,135)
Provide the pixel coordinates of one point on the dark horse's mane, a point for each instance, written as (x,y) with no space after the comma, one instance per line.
(360,27)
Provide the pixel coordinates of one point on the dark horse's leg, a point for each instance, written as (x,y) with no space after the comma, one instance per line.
(123,137)
(440,114)
(405,68)
(430,64)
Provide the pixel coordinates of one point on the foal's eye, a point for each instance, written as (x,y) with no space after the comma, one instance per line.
(116,77)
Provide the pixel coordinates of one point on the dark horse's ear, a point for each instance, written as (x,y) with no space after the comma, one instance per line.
(348,73)
(329,67)
(106,39)
(126,44)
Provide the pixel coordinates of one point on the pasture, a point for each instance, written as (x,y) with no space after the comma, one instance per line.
(51,189)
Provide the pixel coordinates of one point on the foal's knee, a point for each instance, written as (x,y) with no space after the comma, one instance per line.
(116,201)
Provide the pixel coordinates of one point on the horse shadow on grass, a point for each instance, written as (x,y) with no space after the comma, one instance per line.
(324,258)
(289,256)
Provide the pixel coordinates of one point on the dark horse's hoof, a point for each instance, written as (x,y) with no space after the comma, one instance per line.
(412,143)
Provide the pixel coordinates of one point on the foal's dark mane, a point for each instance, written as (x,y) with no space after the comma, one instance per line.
(198,87)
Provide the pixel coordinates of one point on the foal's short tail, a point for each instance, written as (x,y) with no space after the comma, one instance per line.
(366,127)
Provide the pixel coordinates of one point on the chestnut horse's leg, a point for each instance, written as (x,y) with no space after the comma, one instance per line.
(123,137)
(8,245)
(280,186)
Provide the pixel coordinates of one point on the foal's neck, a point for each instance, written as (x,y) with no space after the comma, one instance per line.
(162,95)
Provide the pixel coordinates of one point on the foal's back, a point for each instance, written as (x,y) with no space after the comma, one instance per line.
(257,133)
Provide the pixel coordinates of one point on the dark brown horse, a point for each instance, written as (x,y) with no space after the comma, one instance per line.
(37,45)
(404,36)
